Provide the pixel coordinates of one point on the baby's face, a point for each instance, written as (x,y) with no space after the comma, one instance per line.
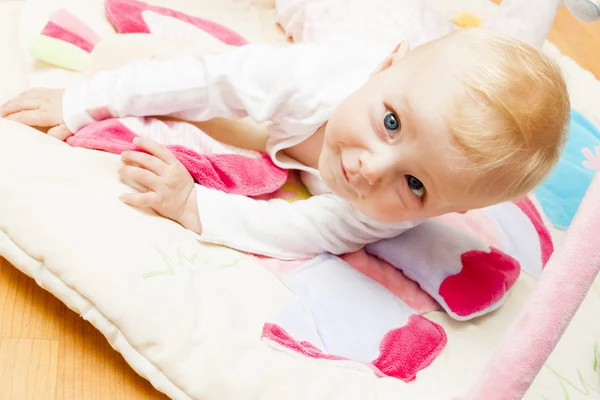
(388,149)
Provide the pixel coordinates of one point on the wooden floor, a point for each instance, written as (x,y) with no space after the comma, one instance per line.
(47,352)
(577,40)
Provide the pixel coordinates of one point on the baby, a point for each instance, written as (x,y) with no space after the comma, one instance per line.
(462,122)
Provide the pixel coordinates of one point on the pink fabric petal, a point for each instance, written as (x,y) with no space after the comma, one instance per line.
(484,280)
(126,17)
(57,32)
(393,280)
(71,23)
(527,206)
(403,351)
(230,173)
(233,173)
(280,336)
(410,348)
(109,135)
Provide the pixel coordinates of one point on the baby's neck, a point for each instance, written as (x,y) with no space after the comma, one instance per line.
(309,151)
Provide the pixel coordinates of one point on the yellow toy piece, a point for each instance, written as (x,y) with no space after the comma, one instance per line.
(294,190)
(59,53)
(467,20)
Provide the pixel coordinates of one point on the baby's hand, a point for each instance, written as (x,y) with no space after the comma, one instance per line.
(39,108)
(171,192)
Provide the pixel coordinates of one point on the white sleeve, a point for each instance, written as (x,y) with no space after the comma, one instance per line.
(277,228)
(259,81)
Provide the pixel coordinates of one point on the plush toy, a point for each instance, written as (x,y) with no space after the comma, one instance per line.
(68,43)
(585,10)
(65,42)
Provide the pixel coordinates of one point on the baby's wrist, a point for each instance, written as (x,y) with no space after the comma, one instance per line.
(190,219)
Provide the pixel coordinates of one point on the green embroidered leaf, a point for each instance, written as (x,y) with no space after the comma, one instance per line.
(596,357)
(181,260)
(584,388)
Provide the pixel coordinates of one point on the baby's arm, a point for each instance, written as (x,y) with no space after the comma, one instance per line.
(259,81)
(277,228)
(253,80)
(273,228)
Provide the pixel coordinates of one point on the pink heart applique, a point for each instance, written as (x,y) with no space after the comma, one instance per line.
(411,348)
(484,280)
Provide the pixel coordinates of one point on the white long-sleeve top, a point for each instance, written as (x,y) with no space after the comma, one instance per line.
(296,87)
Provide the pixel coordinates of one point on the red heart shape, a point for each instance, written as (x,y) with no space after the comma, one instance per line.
(483,280)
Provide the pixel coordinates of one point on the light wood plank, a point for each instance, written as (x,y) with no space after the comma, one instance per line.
(28,368)
(48,352)
(25,310)
(578,40)
(90,368)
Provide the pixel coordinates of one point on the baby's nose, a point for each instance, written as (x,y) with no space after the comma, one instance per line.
(373,170)
(372,178)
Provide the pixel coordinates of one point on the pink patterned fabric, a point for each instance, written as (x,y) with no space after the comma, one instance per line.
(230,173)
(337,313)
(57,32)
(529,209)
(393,280)
(71,23)
(126,16)
(467,277)
(403,351)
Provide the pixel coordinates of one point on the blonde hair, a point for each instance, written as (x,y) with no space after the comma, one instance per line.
(512,121)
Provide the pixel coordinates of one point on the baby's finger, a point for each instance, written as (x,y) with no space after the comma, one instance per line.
(144,160)
(140,175)
(156,149)
(60,132)
(139,199)
(19,104)
(30,117)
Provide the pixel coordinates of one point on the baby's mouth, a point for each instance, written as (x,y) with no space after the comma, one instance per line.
(345,173)
(351,182)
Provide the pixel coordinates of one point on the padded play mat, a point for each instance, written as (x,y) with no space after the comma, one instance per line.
(207,322)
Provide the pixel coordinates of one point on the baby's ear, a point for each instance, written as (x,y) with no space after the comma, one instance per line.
(399,52)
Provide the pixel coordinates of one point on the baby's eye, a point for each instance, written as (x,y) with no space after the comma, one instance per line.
(391,123)
(415,186)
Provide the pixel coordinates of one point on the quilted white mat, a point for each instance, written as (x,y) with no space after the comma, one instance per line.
(188,317)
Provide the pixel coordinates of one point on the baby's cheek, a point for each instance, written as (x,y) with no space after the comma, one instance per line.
(335,134)
(383,208)
(348,127)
